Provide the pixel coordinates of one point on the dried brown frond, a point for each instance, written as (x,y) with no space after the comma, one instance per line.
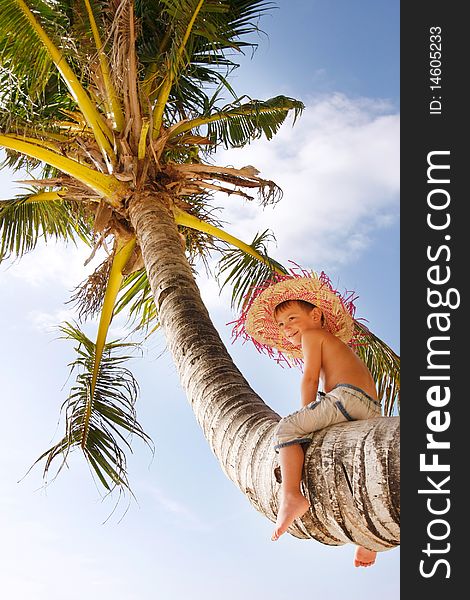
(127,161)
(89,295)
(194,139)
(135,262)
(192,178)
(103,216)
(51,182)
(124,66)
(91,154)
(69,188)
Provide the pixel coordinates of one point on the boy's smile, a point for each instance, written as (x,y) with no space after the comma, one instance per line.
(294,321)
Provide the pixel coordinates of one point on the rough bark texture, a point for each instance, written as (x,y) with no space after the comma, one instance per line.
(352,475)
(351,470)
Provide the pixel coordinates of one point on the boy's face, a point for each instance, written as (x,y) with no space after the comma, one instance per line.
(294,320)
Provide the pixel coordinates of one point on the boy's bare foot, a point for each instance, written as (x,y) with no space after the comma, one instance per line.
(364,557)
(292,506)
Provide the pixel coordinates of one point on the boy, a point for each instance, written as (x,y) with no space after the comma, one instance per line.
(305,318)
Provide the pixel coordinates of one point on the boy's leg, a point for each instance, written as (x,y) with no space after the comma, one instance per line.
(298,426)
(293,504)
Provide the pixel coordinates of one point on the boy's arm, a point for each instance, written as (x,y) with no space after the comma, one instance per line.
(311,348)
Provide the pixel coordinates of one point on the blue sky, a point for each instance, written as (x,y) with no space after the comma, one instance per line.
(191,533)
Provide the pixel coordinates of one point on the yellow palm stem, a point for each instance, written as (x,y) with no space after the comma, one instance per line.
(45,197)
(74,128)
(160,105)
(167,84)
(152,71)
(106,186)
(53,136)
(48,139)
(123,252)
(189,28)
(101,132)
(187,220)
(32,140)
(114,104)
(143,138)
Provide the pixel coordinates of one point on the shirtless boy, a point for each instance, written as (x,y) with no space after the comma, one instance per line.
(305,318)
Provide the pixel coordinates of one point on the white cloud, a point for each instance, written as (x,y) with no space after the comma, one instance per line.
(48,322)
(62,265)
(185,517)
(339,170)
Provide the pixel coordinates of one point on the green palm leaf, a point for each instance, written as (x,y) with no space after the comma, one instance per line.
(24,221)
(201,59)
(99,424)
(27,27)
(245,272)
(136,296)
(384,366)
(237,124)
(218,26)
(19,42)
(20,113)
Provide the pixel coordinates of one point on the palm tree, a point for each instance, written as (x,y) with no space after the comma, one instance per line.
(121,110)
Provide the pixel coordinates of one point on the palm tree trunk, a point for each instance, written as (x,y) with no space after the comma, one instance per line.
(352,500)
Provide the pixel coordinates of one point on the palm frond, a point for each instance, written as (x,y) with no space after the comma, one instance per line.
(192,62)
(105,185)
(35,26)
(20,112)
(88,297)
(237,124)
(184,15)
(136,296)
(196,177)
(16,161)
(109,290)
(24,221)
(245,272)
(99,423)
(19,42)
(384,365)
(190,95)
(113,106)
(219,27)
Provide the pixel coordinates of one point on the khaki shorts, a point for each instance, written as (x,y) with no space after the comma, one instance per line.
(345,402)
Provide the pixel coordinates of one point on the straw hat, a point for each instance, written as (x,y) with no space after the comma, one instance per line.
(258,324)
